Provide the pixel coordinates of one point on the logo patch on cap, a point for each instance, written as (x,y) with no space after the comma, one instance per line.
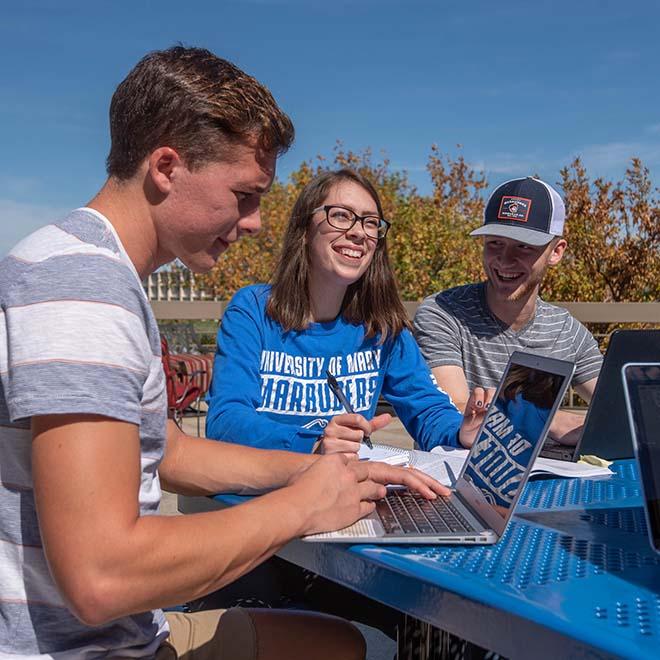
(514,208)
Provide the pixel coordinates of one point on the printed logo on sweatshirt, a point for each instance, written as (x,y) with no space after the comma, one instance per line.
(296,384)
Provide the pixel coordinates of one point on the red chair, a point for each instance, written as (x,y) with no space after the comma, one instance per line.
(182,392)
(196,366)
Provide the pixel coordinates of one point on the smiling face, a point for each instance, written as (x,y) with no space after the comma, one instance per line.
(338,257)
(515,270)
(210,207)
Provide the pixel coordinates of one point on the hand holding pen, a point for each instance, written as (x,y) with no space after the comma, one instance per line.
(363,426)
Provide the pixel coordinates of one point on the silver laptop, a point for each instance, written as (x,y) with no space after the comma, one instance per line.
(485,494)
(641,385)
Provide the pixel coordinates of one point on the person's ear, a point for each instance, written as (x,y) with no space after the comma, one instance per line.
(557,252)
(162,165)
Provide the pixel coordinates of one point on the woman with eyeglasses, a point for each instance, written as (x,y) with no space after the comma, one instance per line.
(332,308)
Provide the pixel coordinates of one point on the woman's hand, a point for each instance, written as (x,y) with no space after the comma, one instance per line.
(344,433)
(475,409)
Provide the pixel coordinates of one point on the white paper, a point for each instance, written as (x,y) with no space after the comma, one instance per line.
(541,465)
(431,463)
(568,469)
(441,461)
(383,453)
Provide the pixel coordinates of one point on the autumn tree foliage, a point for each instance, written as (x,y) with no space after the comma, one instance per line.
(613,233)
(613,230)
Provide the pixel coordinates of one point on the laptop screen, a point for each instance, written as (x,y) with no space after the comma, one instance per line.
(643,386)
(511,435)
(606,432)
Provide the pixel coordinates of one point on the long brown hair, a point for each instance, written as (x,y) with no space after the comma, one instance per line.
(537,387)
(372,301)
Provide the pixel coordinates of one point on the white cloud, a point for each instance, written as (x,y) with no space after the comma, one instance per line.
(609,159)
(617,155)
(623,55)
(507,167)
(19,186)
(508,163)
(18,219)
(399,167)
(477,165)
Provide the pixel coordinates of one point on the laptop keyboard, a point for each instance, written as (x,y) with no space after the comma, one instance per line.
(405,512)
(558,453)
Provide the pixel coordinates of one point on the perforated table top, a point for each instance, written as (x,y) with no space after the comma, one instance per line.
(575,559)
(574,574)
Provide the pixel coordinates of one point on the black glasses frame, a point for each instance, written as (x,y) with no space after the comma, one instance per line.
(383,227)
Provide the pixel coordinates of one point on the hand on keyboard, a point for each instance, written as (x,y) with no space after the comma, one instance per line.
(415,480)
(334,492)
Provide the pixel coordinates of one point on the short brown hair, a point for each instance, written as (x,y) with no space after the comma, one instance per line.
(194,102)
(372,301)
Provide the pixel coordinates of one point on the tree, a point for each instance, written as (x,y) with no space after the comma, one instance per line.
(613,233)
(613,230)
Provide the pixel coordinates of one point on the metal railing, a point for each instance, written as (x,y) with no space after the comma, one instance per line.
(175,285)
(586,312)
(177,295)
(601,314)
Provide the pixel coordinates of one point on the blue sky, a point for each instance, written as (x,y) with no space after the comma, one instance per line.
(523,86)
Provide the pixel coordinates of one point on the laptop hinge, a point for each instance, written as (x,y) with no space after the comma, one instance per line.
(471,510)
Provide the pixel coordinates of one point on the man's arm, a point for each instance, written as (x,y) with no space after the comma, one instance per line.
(109,561)
(196,466)
(452,380)
(586,389)
(428,414)
(566,427)
(438,335)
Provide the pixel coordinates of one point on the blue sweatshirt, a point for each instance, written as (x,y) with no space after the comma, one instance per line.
(269,386)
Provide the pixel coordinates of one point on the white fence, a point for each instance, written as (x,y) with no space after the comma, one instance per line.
(177,285)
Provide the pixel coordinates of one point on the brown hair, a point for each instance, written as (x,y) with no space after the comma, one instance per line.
(537,387)
(194,102)
(372,301)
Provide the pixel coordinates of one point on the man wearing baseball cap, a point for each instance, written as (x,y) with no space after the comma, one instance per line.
(468,333)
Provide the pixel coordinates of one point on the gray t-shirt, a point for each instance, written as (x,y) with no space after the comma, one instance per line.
(77,335)
(456,327)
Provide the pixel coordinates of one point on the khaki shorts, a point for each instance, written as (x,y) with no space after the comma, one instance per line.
(259,634)
(192,635)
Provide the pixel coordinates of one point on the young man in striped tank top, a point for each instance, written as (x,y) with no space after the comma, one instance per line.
(86,561)
(468,333)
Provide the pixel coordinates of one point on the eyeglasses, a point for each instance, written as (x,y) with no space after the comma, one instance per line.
(344,219)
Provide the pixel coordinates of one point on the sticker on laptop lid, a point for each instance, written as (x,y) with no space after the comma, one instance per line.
(514,208)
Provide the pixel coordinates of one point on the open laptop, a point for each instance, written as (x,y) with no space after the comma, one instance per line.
(641,384)
(485,494)
(606,432)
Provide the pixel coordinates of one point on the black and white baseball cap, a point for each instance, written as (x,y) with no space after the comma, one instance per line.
(526,210)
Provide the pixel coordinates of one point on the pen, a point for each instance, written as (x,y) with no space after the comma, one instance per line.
(450,473)
(335,387)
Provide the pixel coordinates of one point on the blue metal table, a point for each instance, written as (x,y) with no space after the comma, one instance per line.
(573,576)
